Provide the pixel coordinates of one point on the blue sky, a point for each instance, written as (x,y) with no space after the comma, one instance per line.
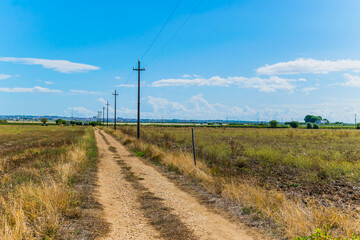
(241,59)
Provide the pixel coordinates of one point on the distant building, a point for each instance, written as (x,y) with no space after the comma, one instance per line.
(99,116)
(323,121)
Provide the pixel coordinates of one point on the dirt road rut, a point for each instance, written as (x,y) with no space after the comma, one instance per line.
(123,211)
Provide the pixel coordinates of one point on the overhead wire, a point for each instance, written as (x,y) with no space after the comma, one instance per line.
(162,29)
(156,37)
(176,33)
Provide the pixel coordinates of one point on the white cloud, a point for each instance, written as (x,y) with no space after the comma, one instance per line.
(303,65)
(117,77)
(48,82)
(307,90)
(4,76)
(190,76)
(33,89)
(197,107)
(62,66)
(85,92)
(102,100)
(126,85)
(82,110)
(270,84)
(352,81)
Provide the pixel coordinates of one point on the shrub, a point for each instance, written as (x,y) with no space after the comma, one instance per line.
(294,124)
(309,126)
(358,126)
(273,123)
(316,126)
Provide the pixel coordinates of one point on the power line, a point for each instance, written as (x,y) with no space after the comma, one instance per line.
(176,33)
(162,29)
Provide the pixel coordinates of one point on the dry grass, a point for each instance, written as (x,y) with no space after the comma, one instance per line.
(37,194)
(295,214)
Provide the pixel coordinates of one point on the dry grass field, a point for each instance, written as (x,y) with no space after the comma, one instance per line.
(40,172)
(301,179)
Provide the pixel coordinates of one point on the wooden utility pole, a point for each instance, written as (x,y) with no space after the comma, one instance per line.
(107,113)
(103,115)
(115,94)
(138,110)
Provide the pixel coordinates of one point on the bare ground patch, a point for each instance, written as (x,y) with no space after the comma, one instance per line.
(158,215)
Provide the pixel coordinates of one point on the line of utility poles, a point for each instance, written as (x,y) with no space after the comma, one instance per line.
(138,69)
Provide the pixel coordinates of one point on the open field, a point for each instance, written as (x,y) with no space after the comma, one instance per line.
(45,175)
(301,179)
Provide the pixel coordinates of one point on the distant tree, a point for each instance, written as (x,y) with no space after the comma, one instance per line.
(312,118)
(327,121)
(358,126)
(59,121)
(316,126)
(44,121)
(273,123)
(94,124)
(308,126)
(294,124)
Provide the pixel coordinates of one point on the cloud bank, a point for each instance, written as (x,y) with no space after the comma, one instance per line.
(270,84)
(4,76)
(62,66)
(303,65)
(29,90)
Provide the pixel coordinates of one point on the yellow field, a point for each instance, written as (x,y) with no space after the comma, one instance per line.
(39,170)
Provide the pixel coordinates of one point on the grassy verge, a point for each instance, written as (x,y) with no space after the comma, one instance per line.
(294,216)
(42,188)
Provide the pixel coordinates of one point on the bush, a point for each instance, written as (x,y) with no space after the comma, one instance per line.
(358,126)
(316,126)
(273,123)
(294,124)
(309,126)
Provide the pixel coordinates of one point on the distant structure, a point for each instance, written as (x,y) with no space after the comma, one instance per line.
(99,116)
(323,121)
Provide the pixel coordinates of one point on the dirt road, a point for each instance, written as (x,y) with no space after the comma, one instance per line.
(125,210)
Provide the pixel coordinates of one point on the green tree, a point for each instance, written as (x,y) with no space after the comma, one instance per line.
(308,126)
(273,123)
(316,126)
(294,124)
(312,118)
(44,121)
(59,121)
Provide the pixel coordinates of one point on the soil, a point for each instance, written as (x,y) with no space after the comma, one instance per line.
(123,209)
